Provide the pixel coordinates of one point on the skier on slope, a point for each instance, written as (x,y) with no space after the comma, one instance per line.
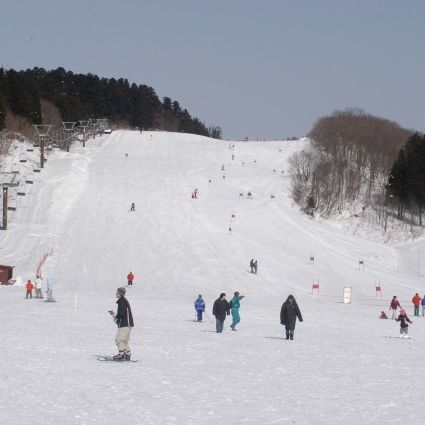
(199,307)
(393,307)
(404,327)
(288,316)
(29,287)
(234,309)
(133,207)
(38,286)
(416,300)
(251,265)
(130,278)
(423,306)
(124,320)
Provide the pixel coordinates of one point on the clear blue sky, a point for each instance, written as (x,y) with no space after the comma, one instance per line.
(263,69)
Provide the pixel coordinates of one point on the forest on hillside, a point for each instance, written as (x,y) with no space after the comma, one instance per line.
(36,96)
(356,161)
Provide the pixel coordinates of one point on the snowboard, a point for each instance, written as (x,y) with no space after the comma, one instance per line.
(111,359)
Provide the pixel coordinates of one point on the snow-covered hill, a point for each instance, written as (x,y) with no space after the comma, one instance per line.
(340,369)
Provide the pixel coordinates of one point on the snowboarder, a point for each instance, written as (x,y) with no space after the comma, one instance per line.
(416,300)
(255,266)
(124,320)
(288,316)
(199,307)
(133,207)
(251,265)
(221,308)
(130,278)
(234,309)
(404,327)
(29,287)
(393,307)
(423,306)
(38,286)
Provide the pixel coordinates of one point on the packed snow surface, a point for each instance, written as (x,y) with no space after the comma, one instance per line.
(341,368)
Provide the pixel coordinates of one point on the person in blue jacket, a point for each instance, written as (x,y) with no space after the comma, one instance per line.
(234,309)
(199,307)
(423,306)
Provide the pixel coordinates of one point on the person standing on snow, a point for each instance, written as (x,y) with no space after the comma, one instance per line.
(38,286)
(124,320)
(234,309)
(255,266)
(416,300)
(404,327)
(130,278)
(288,316)
(29,287)
(393,307)
(251,264)
(221,308)
(133,207)
(199,307)
(423,306)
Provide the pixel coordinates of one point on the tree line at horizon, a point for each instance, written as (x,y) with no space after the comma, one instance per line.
(356,161)
(81,96)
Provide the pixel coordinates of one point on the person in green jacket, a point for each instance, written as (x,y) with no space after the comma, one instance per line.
(234,309)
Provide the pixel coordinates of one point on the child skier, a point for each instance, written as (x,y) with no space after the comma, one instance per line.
(383,315)
(393,307)
(234,309)
(199,307)
(29,287)
(404,327)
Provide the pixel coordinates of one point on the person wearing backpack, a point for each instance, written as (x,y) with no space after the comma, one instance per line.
(234,309)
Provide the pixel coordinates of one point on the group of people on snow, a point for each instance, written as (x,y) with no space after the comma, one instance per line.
(37,285)
(253,265)
(402,317)
(222,308)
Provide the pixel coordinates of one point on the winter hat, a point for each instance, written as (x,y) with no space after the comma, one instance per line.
(236,293)
(403,311)
(121,291)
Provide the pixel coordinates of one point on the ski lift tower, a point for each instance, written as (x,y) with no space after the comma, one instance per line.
(43,132)
(84,125)
(69,128)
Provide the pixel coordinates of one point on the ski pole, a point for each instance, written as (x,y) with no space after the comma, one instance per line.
(208,317)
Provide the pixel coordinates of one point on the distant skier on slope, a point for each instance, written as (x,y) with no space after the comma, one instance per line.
(199,307)
(38,286)
(251,265)
(29,287)
(133,207)
(393,307)
(130,278)
(124,320)
(288,316)
(234,309)
(423,306)
(404,327)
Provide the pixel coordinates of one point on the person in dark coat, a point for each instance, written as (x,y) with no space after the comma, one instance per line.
(251,264)
(221,309)
(124,320)
(288,316)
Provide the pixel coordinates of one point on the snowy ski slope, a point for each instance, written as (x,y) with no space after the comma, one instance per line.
(341,368)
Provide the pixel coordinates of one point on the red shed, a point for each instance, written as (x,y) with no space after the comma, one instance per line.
(6,273)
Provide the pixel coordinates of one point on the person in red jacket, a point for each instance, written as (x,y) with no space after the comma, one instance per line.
(393,307)
(416,300)
(29,287)
(130,278)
